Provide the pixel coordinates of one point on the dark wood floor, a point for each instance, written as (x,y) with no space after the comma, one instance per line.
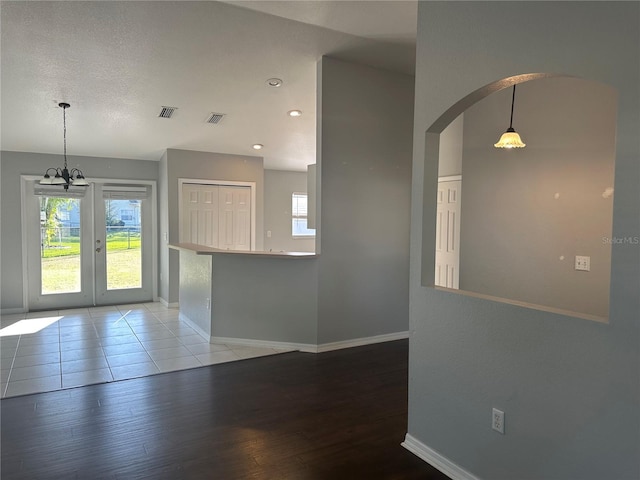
(298,416)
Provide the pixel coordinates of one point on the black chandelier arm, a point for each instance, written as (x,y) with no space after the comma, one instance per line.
(55,169)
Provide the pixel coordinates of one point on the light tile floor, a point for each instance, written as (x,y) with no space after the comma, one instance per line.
(45,351)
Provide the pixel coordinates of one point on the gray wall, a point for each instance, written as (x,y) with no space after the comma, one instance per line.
(14,164)
(279,185)
(451,141)
(205,166)
(195,289)
(518,241)
(569,387)
(365,118)
(261,298)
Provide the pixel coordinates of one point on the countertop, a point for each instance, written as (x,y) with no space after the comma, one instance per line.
(204,250)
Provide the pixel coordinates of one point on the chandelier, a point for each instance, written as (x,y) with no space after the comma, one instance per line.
(63,176)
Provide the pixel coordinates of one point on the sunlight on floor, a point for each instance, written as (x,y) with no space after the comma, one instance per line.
(27,326)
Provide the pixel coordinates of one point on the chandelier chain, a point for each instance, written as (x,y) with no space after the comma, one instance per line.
(64,123)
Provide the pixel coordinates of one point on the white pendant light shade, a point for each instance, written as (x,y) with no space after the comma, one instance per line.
(80,181)
(58,180)
(510,139)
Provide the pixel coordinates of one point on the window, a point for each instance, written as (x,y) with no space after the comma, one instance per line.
(299,216)
(126,215)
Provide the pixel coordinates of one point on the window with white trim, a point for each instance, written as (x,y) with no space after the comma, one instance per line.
(299,217)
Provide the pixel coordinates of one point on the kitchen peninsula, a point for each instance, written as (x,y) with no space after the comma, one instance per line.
(250,297)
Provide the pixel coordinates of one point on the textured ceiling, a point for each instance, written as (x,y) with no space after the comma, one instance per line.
(118,63)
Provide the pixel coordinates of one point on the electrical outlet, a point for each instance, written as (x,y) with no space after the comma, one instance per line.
(497,420)
(583,263)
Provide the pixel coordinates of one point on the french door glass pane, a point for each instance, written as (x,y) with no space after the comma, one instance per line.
(123,244)
(60,245)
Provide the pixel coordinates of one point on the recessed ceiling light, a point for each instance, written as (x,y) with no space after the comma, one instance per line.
(274,82)
(257,146)
(294,113)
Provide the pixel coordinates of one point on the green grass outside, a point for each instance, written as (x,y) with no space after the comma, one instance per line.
(61,274)
(71,245)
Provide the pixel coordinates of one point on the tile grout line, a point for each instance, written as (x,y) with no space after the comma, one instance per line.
(13,361)
(104,354)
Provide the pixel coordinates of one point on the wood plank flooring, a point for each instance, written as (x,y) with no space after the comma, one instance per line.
(298,416)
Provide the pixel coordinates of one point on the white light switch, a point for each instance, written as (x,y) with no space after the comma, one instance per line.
(583,263)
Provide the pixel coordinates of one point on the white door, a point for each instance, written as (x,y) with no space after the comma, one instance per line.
(200,214)
(59,246)
(217,216)
(235,218)
(448,234)
(88,246)
(122,245)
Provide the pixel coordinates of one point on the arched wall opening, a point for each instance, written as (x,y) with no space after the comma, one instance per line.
(524,215)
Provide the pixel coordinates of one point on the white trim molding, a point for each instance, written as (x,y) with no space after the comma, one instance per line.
(450,178)
(167,304)
(303,347)
(358,342)
(309,347)
(12,311)
(436,459)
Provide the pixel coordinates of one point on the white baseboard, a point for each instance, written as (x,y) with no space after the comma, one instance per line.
(309,347)
(436,459)
(358,342)
(9,311)
(167,304)
(303,347)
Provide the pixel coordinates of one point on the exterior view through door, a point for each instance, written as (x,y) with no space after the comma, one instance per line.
(89,246)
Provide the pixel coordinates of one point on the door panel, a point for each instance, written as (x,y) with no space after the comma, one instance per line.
(59,259)
(200,214)
(123,229)
(447,272)
(235,208)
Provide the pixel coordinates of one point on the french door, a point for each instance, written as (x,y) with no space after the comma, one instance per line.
(89,246)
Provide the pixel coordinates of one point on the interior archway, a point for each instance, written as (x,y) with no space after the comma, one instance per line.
(526,214)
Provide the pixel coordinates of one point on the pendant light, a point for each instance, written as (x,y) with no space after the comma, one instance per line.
(63,176)
(510,138)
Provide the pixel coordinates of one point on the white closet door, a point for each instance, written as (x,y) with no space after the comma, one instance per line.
(200,221)
(447,272)
(235,218)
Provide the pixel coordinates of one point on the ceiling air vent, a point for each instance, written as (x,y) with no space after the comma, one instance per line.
(214,117)
(167,112)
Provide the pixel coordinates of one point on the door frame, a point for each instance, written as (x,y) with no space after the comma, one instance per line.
(226,183)
(24,217)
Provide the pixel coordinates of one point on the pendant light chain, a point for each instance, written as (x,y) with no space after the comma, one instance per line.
(513,100)
(64,123)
